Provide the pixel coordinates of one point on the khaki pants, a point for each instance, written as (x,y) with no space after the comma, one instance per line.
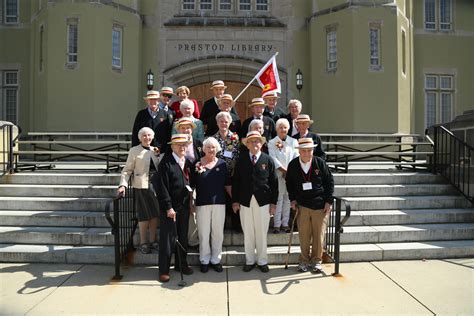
(312,229)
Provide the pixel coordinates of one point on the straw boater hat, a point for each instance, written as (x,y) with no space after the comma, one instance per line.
(256,101)
(306,143)
(218,84)
(253,134)
(227,97)
(152,94)
(166,90)
(184,121)
(180,139)
(273,94)
(303,118)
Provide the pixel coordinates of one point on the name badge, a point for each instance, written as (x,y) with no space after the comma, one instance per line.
(189,188)
(307,186)
(228,154)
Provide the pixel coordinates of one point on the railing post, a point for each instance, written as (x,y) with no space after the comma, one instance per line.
(435,151)
(337,241)
(116,229)
(11,145)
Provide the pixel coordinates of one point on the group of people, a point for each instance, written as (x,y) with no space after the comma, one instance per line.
(190,168)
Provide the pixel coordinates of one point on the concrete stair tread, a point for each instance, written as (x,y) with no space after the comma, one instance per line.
(408,227)
(403,198)
(55,230)
(57,186)
(412,211)
(52,199)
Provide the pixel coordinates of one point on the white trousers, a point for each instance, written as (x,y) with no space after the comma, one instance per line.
(193,238)
(282,213)
(210,223)
(255,221)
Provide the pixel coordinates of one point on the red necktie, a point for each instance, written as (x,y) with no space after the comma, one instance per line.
(254,159)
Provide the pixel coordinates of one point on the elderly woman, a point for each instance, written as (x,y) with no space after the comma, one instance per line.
(143,162)
(186,107)
(211,179)
(282,149)
(183,94)
(229,142)
(294,109)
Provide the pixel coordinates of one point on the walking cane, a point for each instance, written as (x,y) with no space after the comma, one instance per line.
(291,238)
(177,246)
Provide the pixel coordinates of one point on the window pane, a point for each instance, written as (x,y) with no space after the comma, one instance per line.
(225,5)
(11,105)
(11,78)
(188,4)
(116,47)
(445,14)
(431,82)
(262,5)
(244,5)
(430,14)
(11,11)
(430,108)
(332,49)
(206,4)
(72,44)
(446,103)
(374,34)
(446,82)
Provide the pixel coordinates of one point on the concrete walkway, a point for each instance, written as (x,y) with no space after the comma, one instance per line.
(392,287)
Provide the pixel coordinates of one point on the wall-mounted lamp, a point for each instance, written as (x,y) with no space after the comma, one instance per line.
(299,80)
(149,80)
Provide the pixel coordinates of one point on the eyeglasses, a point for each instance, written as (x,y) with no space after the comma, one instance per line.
(167,95)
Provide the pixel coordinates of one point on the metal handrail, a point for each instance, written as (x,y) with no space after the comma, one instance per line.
(334,230)
(452,159)
(124,224)
(8,145)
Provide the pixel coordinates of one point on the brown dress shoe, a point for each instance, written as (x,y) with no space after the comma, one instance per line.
(164,278)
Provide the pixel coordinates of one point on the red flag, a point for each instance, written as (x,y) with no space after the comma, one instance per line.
(268,77)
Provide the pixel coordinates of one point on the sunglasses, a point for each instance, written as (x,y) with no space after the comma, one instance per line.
(167,95)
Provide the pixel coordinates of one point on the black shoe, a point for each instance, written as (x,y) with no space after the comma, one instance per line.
(264,268)
(204,268)
(248,267)
(217,267)
(186,270)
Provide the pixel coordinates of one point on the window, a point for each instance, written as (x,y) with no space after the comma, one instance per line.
(117,47)
(41,49)
(206,5)
(188,5)
(261,5)
(439,98)
(374,46)
(404,54)
(9,106)
(244,5)
(11,11)
(72,41)
(331,44)
(438,15)
(225,5)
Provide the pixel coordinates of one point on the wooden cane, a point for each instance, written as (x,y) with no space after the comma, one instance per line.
(291,238)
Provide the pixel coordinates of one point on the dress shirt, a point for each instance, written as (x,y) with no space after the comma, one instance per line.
(179,160)
(190,152)
(256,155)
(152,113)
(305,166)
(163,106)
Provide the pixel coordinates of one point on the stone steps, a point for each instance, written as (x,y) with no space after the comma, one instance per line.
(57,178)
(53,203)
(236,255)
(53,218)
(407,202)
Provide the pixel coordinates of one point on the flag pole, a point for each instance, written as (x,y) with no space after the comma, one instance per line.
(241,92)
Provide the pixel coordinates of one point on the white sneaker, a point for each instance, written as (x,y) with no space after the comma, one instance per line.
(302,267)
(316,268)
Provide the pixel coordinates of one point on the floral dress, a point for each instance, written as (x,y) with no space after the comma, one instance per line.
(230,149)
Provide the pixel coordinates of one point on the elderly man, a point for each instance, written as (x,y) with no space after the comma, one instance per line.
(310,187)
(156,116)
(171,183)
(225,104)
(210,107)
(257,107)
(255,194)
(294,109)
(271,109)
(303,122)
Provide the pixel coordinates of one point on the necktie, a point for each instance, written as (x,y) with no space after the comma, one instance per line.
(254,159)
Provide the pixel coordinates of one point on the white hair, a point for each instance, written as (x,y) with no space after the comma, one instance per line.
(282,121)
(224,114)
(255,122)
(297,103)
(211,141)
(145,130)
(186,103)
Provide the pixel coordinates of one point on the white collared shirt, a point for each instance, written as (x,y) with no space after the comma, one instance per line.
(294,130)
(256,155)
(305,166)
(180,161)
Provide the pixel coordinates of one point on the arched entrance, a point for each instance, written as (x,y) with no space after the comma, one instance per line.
(236,72)
(201,93)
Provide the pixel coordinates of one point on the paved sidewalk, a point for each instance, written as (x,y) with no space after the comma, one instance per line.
(392,287)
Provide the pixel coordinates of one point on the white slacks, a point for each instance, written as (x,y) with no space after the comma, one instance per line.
(282,213)
(255,221)
(210,223)
(193,235)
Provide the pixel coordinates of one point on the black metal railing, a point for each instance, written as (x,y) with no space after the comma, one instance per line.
(124,224)
(8,145)
(452,159)
(334,230)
